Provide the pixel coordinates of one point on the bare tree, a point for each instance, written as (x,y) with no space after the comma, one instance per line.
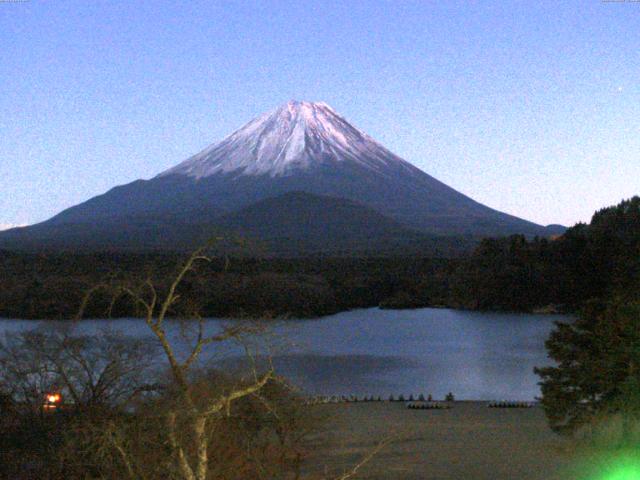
(189,422)
(94,377)
(104,369)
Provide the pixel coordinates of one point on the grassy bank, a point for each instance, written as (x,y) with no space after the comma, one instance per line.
(469,441)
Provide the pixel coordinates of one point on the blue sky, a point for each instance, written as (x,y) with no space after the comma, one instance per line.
(532,108)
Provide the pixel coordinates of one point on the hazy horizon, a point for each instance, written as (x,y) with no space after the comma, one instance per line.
(531,109)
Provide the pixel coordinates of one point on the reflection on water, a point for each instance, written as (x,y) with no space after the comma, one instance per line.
(337,374)
(380,352)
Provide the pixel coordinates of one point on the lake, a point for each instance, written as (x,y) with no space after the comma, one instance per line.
(475,355)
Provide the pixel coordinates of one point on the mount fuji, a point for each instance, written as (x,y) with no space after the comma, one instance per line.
(288,175)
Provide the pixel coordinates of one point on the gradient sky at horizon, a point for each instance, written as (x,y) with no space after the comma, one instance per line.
(532,108)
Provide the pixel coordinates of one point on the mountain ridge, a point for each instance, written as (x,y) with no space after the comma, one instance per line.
(298,147)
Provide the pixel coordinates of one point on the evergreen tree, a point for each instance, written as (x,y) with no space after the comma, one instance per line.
(598,366)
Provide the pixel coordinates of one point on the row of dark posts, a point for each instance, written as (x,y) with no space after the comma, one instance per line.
(420,402)
(371,398)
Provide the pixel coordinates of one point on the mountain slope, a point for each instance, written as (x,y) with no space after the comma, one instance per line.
(298,222)
(292,224)
(299,147)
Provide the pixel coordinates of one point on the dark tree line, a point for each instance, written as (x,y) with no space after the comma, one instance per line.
(513,273)
(588,261)
(52,285)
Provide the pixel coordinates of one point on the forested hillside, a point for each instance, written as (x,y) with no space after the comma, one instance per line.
(588,261)
(513,273)
(52,286)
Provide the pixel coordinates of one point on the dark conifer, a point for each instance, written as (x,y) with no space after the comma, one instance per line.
(598,366)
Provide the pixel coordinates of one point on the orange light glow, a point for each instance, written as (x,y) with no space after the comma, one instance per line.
(53,398)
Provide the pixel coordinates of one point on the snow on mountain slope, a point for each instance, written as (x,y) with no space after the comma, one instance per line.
(295,136)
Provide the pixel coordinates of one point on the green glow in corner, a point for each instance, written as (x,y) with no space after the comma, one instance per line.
(624,473)
(625,468)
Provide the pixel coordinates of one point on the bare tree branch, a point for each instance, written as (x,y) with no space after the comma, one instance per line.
(366,459)
(183,463)
(224,403)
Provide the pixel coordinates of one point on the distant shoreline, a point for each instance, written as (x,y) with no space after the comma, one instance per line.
(542,311)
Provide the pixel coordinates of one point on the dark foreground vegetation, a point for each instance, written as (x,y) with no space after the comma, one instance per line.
(108,406)
(512,273)
(114,422)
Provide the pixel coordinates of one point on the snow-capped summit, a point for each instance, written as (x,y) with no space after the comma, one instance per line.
(294,136)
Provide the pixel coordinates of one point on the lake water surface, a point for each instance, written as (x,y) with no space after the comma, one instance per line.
(480,356)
